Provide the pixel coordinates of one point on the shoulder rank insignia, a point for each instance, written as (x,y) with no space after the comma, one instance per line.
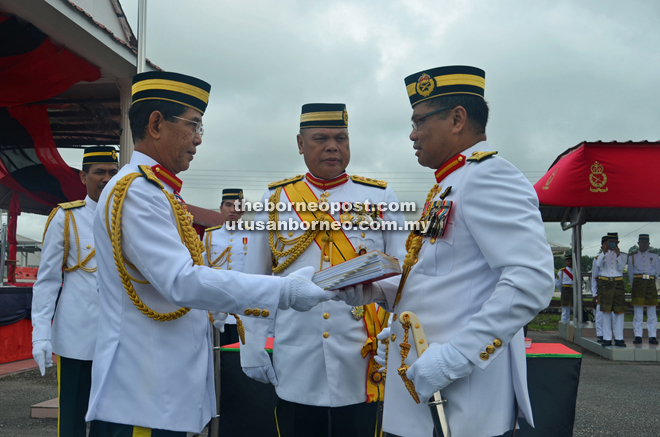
(596,257)
(285,181)
(480,156)
(151,177)
(368,181)
(213,228)
(71,205)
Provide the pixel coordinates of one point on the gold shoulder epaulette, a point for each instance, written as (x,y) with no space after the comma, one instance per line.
(213,228)
(285,181)
(151,177)
(368,181)
(71,205)
(596,257)
(479,156)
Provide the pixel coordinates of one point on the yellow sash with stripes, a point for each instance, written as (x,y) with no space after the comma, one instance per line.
(336,242)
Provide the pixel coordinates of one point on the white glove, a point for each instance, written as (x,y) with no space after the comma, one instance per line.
(360,294)
(219,320)
(255,361)
(437,368)
(264,374)
(42,352)
(381,356)
(300,293)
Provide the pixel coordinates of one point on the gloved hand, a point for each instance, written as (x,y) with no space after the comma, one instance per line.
(255,361)
(42,352)
(360,294)
(300,293)
(219,320)
(381,357)
(437,368)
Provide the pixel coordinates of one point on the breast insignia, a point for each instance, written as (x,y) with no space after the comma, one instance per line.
(285,181)
(151,177)
(72,205)
(480,156)
(368,181)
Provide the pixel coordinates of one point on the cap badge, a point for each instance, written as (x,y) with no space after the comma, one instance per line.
(345,116)
(425,85)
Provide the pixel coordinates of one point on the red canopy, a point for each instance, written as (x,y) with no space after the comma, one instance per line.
(603,174)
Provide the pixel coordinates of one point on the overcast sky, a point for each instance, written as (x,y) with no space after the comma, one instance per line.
(557,73)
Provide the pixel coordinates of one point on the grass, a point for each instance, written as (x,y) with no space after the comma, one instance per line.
(545,322)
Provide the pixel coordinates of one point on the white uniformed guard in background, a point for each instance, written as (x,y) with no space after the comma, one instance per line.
(225,248)
(611,291)
(153,373)
(564,284)
(595,272)
(323,371)
(643,270)
(480,273)
(68,248)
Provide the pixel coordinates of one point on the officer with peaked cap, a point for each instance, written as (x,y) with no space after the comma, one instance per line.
(482,274)
(611,292)
(643,270)
(68,248)
(152,372)
(595,272)
(225,248)
(324,374)
(564,284)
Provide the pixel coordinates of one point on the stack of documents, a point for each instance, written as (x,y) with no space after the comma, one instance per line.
(370,267)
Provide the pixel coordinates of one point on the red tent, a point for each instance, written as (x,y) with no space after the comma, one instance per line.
(607,181)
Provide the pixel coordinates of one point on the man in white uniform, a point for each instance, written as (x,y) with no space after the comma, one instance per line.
(564,284)
(152,373)
(225,248)
(643,269)
(611,292)
(482,271)
(323,373)
(68,248)
(595,272)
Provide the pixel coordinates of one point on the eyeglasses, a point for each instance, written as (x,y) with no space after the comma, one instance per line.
(419,120)
(199,127)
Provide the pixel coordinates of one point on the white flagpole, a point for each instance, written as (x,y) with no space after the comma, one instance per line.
(142,36)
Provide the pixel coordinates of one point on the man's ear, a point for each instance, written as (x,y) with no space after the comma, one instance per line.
(299,139)
(460,119)
(83,177)
(155,125)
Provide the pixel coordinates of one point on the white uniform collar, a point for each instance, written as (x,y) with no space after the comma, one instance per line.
(90,203)
(139,158)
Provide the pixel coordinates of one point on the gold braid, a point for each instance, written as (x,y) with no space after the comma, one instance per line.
(68,216)
(300,243)
(186,232)
(413,246)
(50,218)
(405,348)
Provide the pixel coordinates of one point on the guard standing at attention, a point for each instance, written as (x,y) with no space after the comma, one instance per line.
(153,372)
(611,292)
(643,270)
(564,284)
(225,248)
(68,262)
(595,272)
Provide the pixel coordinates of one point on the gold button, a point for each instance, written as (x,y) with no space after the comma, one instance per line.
(248,311)
(228,260)
(421,341)
(256,312)
(392,337)
(363,235)
(326,315)
(326,335)
(228,268)
(231,239)
(416,325)
(290,233)
(265,313)
(89,247)
(326,258)
(231,233)
(490,349)
(484,356)
(214,253)
(460,159)
(497,343)
(326,194)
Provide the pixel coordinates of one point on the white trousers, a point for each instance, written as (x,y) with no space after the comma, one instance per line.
(608,318)
(651,321)
(599,321)
(566,314)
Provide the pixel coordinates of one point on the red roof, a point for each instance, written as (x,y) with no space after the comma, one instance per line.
(603,175)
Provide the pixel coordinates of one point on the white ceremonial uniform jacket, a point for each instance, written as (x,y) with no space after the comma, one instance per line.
(311,369)
(235,241)
(611,265)
(74,324)
(487,277)
(563,278)
(150,373)
(595,273)
(643,263)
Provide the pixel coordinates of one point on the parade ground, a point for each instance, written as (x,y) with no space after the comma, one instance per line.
(614,398)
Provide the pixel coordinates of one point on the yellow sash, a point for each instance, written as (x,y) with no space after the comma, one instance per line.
(331,242)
